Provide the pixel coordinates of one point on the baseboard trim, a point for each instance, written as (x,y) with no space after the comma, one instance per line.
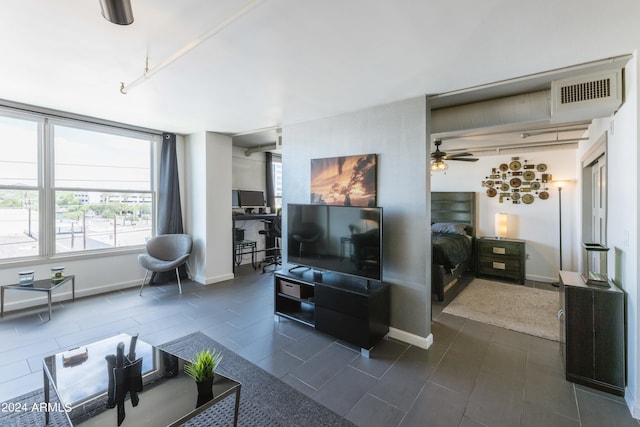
(632,404)
(543,279)
(410,338)
(217,279)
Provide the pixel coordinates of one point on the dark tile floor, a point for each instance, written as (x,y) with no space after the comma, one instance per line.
(473,375)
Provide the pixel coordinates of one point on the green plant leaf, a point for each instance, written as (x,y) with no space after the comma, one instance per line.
(204,364)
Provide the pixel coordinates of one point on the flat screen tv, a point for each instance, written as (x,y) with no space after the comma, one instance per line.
(340,239)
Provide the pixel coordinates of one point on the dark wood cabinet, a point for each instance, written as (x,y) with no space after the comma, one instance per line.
(592,333)
(501,258)
(350,309)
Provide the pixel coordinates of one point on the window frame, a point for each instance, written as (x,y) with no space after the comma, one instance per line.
(46,188)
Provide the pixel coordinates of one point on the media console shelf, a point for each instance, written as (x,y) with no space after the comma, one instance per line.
(344,307)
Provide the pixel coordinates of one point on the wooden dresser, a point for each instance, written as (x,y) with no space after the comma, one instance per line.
(501,258)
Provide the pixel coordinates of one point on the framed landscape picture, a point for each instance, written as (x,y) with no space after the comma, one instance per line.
(345,181)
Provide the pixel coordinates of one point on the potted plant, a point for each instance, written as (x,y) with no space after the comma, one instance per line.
(202,370)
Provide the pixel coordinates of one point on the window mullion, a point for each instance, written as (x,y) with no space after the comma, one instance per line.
(48,209)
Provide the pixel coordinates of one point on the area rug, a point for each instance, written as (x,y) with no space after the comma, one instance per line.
(519,308)
(264,399)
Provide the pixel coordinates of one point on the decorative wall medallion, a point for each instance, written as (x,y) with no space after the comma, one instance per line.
(527,199)
(515,182)
(518,181)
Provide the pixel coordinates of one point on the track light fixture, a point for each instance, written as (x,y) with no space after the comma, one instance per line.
(117,11)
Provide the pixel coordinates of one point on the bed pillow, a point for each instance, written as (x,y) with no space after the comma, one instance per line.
(447,227)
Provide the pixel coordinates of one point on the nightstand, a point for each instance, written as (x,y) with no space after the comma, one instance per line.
(501,258)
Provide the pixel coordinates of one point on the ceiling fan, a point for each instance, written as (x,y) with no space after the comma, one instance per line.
(438,157)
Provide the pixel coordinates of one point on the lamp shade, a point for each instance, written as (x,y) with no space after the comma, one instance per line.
(117,11)
(501,228)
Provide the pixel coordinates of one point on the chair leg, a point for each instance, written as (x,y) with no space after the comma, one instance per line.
(143,280)
(178,277)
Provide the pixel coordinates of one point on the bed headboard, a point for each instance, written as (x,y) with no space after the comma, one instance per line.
(454,206)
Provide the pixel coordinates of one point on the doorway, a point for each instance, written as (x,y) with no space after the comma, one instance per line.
(594,206)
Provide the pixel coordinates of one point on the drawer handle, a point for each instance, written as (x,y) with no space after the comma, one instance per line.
(499,265)
(560,314)
(500,251)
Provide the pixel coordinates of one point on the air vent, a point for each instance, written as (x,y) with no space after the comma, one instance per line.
(585,91)
(586,97)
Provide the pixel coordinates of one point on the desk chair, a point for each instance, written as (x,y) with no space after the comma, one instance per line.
(274,231)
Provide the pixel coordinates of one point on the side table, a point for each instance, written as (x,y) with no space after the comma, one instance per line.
(43,285)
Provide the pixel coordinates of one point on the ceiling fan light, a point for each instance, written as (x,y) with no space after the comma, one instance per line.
(117,11)
(438,166)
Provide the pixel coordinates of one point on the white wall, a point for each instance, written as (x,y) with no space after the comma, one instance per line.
(248,171)
(93,275)
(397,134)
(623,190)
(537,223)
(208,176)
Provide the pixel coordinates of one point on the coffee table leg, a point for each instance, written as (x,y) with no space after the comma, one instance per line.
(235,415)
(46,396)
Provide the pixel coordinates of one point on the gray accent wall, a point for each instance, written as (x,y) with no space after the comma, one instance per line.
(397,133)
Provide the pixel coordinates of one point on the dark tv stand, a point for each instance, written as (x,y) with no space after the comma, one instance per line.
(353,310)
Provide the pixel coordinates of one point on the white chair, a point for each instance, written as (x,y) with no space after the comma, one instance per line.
(165,252)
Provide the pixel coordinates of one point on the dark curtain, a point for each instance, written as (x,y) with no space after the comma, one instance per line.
(271,198)
(169,209)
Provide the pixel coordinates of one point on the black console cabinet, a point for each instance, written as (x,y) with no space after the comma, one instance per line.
(592,333)
(347,308)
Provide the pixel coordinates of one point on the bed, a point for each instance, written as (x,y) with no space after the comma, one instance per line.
(453,219)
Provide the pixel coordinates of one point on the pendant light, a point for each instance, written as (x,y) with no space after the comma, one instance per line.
(117,11)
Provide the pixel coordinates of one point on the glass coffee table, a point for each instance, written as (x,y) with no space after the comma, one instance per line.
(43,285)
(168,396)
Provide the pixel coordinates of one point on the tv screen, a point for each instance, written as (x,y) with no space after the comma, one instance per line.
(341,239)
(251,198)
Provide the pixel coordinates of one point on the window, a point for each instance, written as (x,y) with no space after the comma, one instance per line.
(19,189)
(70,187)
(102,188)
(277,181)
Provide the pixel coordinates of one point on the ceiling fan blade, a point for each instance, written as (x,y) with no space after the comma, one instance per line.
(464,159)
(453,156)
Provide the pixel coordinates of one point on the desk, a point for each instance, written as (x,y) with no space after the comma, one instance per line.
(44,285)
(269,242)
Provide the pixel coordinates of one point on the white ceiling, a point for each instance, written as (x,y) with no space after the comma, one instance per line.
(289,61)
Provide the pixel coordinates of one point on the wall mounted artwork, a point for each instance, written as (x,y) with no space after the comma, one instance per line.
(345,181)
(518,182)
